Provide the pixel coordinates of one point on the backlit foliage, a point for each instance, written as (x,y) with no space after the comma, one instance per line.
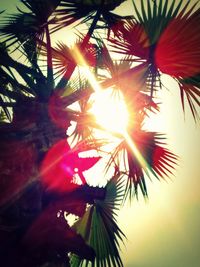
(58,120)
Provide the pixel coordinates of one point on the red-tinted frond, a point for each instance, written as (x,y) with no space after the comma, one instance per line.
(89,144)
(162,161)
(141,103)
(146,156)
(133,40)
(62,57)
(150,146)
(178,49)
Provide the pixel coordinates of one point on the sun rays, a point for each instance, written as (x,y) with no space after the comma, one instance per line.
(109,109)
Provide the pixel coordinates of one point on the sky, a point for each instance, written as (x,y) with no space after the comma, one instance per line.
(165,230)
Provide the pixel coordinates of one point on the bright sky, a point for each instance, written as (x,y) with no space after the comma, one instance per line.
(165,232)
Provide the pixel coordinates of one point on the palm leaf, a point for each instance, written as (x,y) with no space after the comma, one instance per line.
(133,84)
(180,57)
(149,157)
(27,73)
(98,227)
(190,88)
(88,144)
(30,24)
(132,40)
(6,110)
(140,34)
(43,9)
(25,28)
(19,28)
(166,36)
(71,11)
(156,16)
(64,56)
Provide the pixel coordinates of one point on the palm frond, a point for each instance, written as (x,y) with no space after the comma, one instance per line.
(143,32)
(190,89)
(133,85)
(19,28)
(26,72)
(113,23)
(156,16)
(84,127)
(98,227)
(6,109)
(63,56)
(166,37)
(122,76)
(149,157)
(180,57)
(43,9)
(132,40)
(25,28)
(71,11)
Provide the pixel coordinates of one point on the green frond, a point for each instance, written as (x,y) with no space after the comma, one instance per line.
(19,28)
(42,9)
(27,73)
(99,229)
(155,16)
(72,11)
(190,89)
(5,109)
(3,116)
(26,27)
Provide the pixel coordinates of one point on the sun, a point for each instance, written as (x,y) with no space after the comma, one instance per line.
(110,111)
(108,105)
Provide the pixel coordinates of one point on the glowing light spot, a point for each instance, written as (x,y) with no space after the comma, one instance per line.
(75,169)
(110,111)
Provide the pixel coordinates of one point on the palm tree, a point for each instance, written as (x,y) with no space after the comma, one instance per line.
(42,173)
